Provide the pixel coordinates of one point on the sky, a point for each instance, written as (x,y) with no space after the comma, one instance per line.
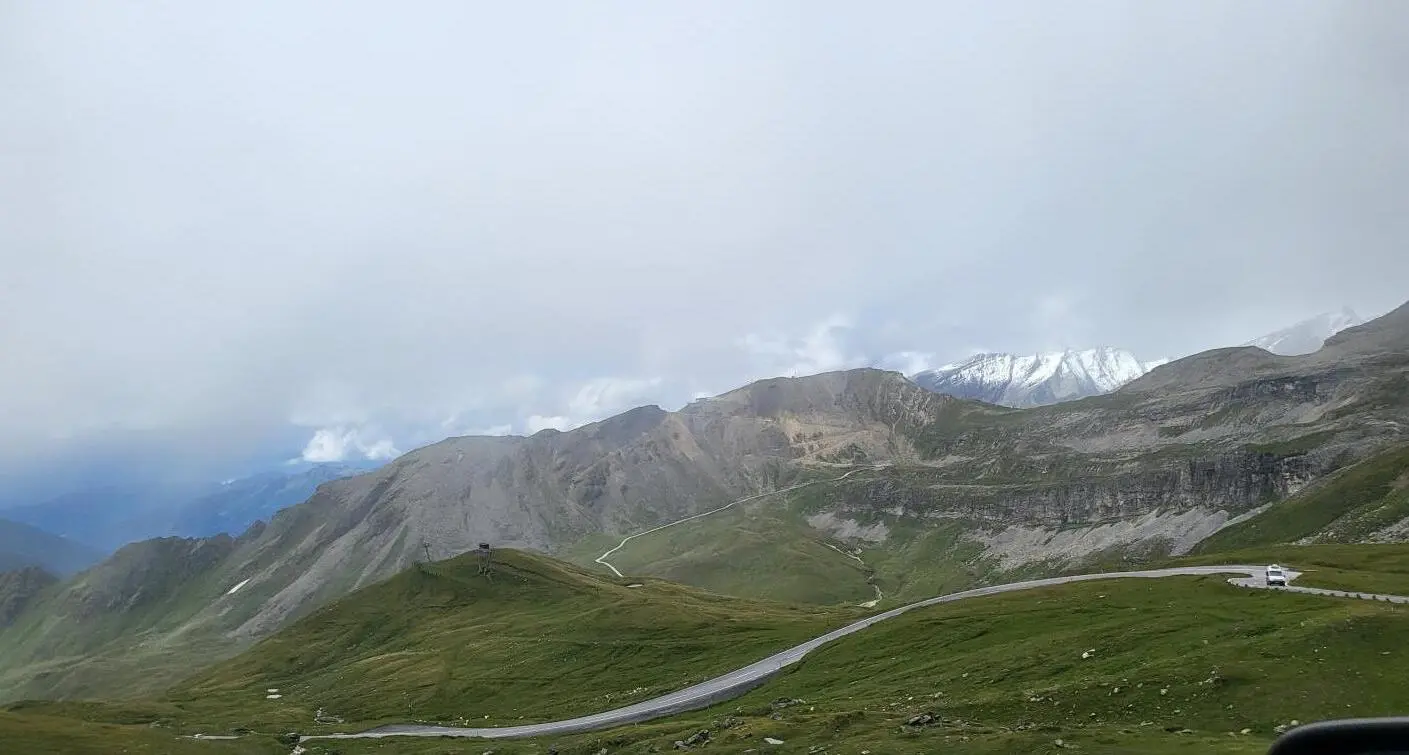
(355,228)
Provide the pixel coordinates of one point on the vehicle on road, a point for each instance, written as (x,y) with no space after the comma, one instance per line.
(1275,576)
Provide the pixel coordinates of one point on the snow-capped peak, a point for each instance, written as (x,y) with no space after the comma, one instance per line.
(1036,379)
(1308,335)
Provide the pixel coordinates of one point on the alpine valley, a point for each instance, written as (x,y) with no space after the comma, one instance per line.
(864,488)
(653,550)
(867,489)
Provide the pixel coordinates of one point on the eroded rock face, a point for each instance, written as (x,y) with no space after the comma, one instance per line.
(1176,533)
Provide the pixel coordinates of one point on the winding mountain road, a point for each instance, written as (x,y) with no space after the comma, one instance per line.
(741,680)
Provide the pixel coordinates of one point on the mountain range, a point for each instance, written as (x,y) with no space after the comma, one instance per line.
(925,491)
(237,504)
(113,509)
(1037,379)
(22,545)
(1020,380)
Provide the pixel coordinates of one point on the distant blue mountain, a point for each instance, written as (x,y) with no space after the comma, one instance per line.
(239,503)
(106,517)
(144,468)
(22,545)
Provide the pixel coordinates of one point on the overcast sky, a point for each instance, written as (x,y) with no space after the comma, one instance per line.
(382,223)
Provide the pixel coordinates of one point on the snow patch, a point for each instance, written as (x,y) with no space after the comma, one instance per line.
(1307,336)
(1017,545)
(272,697)
(236,588)
(849,529)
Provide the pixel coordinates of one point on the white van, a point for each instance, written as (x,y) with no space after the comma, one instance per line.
(1275,576)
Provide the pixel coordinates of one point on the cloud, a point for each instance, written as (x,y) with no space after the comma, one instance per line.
(597,399)
(606,396)
(908,362)
(343,443)
(538,422)
(231,225)
(452,429)
(1058,319)
(522,387)
(820,349)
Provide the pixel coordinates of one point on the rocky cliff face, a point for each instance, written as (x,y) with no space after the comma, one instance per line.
(1161,504)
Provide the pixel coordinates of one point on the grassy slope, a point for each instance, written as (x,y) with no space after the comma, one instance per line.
(565,642)
(1006,675)
(541,640)
(1346,507)
(40,734)
(918,562)
(759,550)
(766,549)
(53,650)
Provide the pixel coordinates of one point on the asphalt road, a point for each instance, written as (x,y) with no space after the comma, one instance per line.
(737,682)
